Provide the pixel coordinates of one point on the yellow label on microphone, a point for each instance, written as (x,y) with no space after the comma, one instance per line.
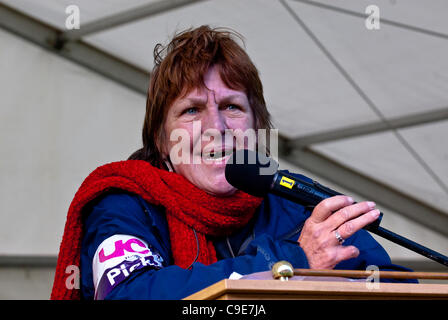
(286,182)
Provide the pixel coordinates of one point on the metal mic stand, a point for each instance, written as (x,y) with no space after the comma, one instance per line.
(375,228)
(409,244)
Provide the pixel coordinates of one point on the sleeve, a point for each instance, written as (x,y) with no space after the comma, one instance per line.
(119,219)
(173,282)
(119,239)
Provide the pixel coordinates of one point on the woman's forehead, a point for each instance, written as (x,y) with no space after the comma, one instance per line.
(218,93)
(212,83)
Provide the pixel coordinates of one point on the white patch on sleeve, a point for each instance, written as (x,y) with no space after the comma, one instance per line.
(117,257)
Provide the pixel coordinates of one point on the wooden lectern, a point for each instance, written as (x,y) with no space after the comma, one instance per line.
(323,284)
(275,289)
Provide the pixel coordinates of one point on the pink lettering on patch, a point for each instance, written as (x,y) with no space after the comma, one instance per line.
(121,247)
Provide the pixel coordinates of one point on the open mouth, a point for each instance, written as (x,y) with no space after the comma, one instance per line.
(217,155)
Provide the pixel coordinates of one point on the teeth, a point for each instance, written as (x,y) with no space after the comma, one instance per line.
(215,155)
(218,155)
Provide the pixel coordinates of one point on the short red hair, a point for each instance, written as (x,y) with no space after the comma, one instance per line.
(180,67)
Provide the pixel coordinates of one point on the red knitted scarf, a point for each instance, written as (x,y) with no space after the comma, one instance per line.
(187,208)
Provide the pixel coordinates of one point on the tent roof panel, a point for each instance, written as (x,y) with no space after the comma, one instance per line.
(384,157)
(430,15)
(388,65)
(53,11)
(431,143)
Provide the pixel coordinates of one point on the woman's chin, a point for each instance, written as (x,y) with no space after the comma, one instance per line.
(211,179)
(223,189)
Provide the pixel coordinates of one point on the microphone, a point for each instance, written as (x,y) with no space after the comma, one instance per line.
(258,175)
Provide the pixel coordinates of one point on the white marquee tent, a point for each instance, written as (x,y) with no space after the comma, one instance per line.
(360,109)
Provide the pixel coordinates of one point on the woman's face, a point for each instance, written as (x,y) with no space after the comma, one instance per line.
(197,129)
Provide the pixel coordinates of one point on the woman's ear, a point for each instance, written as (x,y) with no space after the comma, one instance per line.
(164,153)
(161,146)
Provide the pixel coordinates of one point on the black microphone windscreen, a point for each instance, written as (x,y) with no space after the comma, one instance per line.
(251,172)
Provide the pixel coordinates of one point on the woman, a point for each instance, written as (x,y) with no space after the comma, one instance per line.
(166,223)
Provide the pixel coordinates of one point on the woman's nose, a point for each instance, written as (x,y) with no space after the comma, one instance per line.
(214,120)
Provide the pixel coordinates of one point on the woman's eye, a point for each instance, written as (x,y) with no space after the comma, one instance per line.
(232,107)
(191,110)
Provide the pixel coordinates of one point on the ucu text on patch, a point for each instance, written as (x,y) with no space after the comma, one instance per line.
(121,248)
(117,257)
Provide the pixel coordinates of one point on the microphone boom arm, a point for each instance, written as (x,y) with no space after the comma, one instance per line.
(313,193)
(409,244)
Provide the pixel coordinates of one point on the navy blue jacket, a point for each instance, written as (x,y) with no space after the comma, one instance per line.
(148,272)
